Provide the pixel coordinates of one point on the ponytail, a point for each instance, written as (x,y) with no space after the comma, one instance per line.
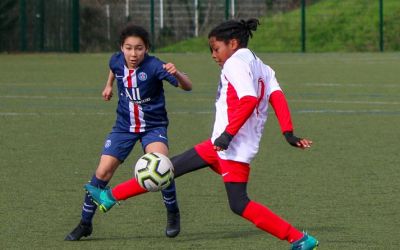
(233,29)
(250,25)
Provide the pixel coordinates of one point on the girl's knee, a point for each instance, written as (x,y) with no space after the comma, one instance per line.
(239,205)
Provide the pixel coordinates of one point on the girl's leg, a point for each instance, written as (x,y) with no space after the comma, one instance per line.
(258,214)
(105,170)
(183,163)
(168,194)
(115,150)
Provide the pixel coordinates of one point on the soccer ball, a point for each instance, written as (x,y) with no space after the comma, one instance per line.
(154,171)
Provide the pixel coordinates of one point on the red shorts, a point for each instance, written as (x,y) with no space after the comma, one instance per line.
(231,171)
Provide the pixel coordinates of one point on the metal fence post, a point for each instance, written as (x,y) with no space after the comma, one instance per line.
(127,15)
(75,26)
(22,25)
(196,18)
(227,4)
(381,45)
(303,26)
(232,9)
(152,25)
(39,26)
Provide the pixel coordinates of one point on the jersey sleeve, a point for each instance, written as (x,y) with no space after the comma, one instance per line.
(246,106)
(273,84)
(162,74)
(239,75)
(278,101)
(113,62)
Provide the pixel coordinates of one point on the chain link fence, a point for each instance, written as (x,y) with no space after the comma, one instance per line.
(94,25)
(39,25)
(167,21)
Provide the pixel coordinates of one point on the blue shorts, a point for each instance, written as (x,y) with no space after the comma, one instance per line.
(120,144)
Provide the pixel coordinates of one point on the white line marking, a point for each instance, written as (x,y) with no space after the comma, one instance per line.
(394,85)
(289,100)
(50,114)
(47,97)
(345,102)
(327,111)
(315,111)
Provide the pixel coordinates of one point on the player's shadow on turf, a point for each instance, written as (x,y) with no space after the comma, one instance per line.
(221,235)
(183,237)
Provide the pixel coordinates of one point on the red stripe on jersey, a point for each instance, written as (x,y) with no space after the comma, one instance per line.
(281,108)
(238,110)
(232,101)
(261,86)
(136,115)
(135,106)
(130,78)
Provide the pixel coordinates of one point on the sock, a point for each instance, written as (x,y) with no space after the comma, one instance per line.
(127,189)
(89,208)
(169,198)
(266,220)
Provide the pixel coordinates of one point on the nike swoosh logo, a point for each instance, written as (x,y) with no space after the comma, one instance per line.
(162,137)
(119,76)
(224,174)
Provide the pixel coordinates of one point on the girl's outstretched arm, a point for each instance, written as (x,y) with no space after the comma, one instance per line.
(281,108)
(184,82)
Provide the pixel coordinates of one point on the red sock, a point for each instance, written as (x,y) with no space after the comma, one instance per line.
(266,220)
(127,189)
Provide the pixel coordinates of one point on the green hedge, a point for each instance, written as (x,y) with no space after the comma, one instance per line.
(346,26)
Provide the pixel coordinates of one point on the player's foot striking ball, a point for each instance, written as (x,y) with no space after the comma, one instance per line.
(102,197)
(306,243)
(105,201)
(82,230)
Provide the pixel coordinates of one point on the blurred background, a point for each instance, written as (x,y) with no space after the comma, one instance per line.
(182,25)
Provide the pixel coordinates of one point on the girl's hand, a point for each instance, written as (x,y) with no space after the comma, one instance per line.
(297,142)
(304,143)
(170,68)
(107,93)
(223,141)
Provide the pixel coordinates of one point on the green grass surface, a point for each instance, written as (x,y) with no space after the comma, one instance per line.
(351,25)
(344,190)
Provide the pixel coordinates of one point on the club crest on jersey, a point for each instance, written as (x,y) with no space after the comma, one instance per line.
(142,76)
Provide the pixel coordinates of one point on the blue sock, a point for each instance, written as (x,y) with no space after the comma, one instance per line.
(169,198)
(89,208)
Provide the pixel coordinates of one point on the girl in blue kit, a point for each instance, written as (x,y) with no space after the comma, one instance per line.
(141,116)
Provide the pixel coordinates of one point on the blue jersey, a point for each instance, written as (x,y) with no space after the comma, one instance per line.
(141,104)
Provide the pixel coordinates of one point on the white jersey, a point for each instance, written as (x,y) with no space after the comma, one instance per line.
(243,74)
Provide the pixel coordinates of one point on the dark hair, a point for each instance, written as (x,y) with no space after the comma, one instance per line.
(134,30)
(234,29)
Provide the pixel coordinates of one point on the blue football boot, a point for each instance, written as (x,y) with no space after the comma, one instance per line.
(306,243)
(101,197)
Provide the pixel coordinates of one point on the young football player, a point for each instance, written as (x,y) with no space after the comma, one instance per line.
(245,88)
(141,116)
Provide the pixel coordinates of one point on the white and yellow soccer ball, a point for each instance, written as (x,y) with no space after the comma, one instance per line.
(154,171)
